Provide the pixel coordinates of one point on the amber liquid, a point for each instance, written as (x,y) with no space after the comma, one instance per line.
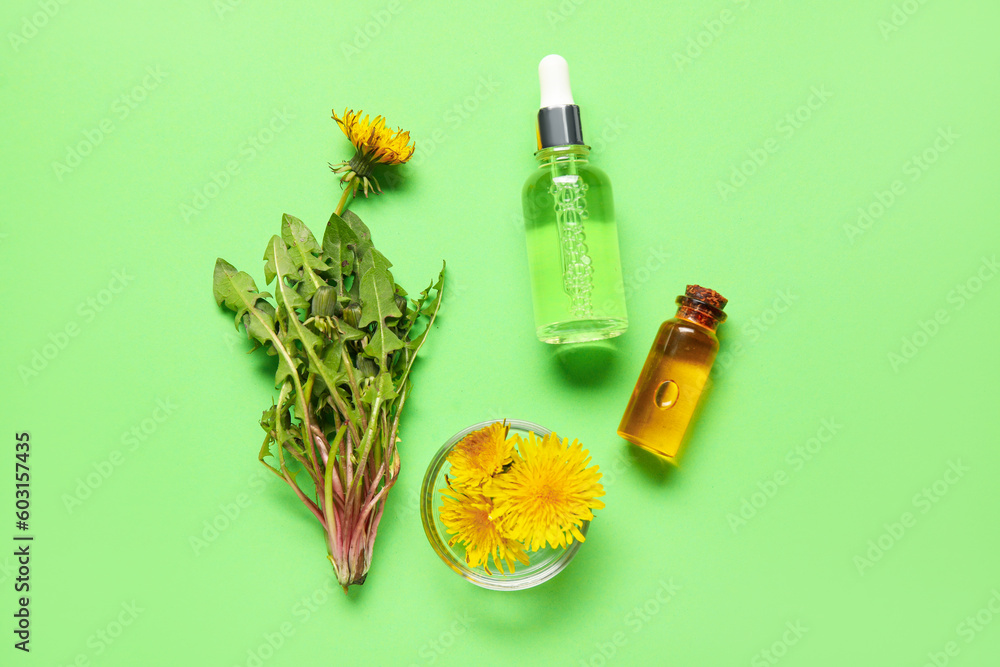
(669,387)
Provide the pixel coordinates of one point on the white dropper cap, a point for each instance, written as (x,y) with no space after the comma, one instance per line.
(553,77)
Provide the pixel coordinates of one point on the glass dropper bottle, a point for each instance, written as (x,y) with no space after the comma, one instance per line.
(572,237)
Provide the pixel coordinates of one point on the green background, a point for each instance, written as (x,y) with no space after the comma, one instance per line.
(819,304)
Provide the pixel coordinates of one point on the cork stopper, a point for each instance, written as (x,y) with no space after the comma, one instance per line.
(705,295)
(702,305)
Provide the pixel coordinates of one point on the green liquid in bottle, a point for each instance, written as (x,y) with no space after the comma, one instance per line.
(576,277)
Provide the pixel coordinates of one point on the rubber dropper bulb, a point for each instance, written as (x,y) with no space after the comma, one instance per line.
(553,78)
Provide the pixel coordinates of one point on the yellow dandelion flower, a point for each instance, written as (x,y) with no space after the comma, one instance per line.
(468,516)
(480,455)
(547,493)
(375,144)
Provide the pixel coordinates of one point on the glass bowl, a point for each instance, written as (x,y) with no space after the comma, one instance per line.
(545,563)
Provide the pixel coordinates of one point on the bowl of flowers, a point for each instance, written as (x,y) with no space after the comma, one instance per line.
(506,503)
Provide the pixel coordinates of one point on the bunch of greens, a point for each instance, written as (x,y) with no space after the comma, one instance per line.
(344,335)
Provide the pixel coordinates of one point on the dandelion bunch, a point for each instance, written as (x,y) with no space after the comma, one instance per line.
(344,336)
(508,495)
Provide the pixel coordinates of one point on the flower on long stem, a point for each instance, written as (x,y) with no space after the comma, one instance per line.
(547,493)
(374,143)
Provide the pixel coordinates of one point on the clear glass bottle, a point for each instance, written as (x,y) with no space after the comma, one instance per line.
(572,237)
(675,373)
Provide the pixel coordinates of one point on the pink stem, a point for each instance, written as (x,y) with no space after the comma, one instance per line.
(310,504)
(324,447)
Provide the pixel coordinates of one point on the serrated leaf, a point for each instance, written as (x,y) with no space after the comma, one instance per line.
(424,307)
(329,368)
(372,258)
(338,239)
(366,254)
(347,332)
(260,329)
(382,343)
(413,345)
(377,299)
(384,383)
(234,289)
(287,368)
(377,304)
(289,300)
(277,261)
(302,245)
(267,418)
(360,230)
(303,250)
(381,385)
(237,291)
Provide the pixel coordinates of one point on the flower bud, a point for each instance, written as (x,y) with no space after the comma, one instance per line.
(401,303)
(324,301)
(352,314)
(367,366)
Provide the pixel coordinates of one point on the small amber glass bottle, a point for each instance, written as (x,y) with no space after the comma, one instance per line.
(674,374)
